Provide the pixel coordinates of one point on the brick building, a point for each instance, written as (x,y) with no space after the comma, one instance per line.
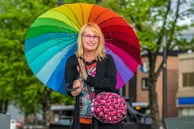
(185,93)
(172,86)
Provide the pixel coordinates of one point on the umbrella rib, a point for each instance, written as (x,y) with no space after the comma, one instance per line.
(100,15)
(82,13)
(74,16)
(58,44)
(58,28)
(115,24)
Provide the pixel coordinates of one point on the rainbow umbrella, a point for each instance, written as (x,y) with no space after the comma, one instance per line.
(52,37)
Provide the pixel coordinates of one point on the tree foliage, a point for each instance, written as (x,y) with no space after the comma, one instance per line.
(17,83)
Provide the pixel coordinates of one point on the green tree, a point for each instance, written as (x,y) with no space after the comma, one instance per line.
(17,83)
(151,19)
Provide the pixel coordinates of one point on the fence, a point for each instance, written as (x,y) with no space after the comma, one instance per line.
(179,122)
(5,121)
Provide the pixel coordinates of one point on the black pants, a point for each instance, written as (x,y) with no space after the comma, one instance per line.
(102,126)
(85,126)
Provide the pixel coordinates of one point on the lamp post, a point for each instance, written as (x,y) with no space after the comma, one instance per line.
(164,77)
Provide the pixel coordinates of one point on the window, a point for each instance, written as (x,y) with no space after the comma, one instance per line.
(187,111)
(144,83)
(188,79)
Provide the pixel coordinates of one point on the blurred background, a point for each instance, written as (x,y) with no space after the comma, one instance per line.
(162,87)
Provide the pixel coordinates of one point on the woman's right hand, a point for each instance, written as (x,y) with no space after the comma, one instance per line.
(78,85)
(82,69)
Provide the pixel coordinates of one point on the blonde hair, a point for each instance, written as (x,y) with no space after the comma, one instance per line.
(100,52)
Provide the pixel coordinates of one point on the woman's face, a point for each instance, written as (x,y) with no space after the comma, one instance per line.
(90,40)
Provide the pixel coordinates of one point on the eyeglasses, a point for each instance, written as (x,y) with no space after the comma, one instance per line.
(87,36)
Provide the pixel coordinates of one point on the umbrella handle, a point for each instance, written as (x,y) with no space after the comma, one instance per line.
(70,89)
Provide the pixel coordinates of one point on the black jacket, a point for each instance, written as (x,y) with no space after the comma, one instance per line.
(104,80)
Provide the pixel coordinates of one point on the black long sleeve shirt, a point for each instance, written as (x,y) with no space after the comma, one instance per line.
(104,80)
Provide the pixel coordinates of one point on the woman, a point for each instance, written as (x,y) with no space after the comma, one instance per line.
(89,72)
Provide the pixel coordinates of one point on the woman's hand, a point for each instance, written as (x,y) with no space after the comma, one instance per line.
(78,85)
(82,69)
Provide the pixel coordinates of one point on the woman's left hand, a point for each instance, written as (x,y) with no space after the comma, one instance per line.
(78,86)
(82,69)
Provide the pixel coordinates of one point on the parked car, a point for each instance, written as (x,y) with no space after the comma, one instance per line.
(14,124)
(135,119)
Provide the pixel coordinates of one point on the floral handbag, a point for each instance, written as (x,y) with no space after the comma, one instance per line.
(109,107)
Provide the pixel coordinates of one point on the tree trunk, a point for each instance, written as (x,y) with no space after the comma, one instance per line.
(46,2)
(153,102)
(46,108)
(133,88)
(153,97)
(98,1)
(3,106)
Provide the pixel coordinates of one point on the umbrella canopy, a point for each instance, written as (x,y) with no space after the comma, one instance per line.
(52,39)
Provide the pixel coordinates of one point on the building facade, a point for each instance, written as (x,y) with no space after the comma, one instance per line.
(185,94)
(172,86)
